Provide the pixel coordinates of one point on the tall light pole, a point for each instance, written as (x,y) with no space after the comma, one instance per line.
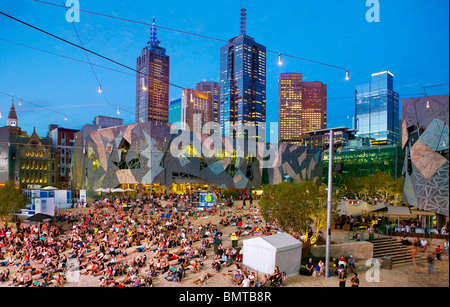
(329,203)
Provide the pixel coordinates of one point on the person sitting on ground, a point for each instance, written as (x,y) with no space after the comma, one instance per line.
(423,245)
(275,275)
(310,267)
(405,241)
(202,278)
(352,264)
(216,266)
(262,283)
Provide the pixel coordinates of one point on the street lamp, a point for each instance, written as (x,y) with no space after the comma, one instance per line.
(330,196)
(329,203)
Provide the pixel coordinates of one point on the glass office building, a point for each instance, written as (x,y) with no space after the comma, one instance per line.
(152,82)
(211,88)
(377,110)
(175,112)
(242,87)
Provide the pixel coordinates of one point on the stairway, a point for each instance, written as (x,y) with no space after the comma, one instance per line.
(388,246)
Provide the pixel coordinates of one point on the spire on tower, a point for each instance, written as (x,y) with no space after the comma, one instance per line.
(243,18)
(12,112)
(154,41)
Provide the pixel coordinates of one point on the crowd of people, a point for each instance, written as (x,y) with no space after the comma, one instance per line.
(123,244)
(143,244)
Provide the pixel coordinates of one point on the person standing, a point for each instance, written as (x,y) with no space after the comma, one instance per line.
(446,246)
(355,281)
(371,232)
(413,255)
(342,279)
(438,252)
(430,261)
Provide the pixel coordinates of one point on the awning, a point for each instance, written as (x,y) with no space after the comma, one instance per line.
(422,213)
(398,211)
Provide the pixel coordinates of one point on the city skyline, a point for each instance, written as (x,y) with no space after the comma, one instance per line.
(62,85)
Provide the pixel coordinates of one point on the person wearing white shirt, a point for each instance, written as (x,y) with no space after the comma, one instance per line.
(246,281)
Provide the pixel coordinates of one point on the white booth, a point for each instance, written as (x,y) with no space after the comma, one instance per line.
(263,253)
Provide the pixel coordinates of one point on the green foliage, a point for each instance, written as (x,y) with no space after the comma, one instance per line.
(12,199)
(297,207)
(380,183)
(229,193)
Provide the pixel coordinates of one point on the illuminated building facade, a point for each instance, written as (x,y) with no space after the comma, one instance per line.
(63,140)
(211,88)
(242,85)
(377,110)
(302,107)
(196,110)
(314,106)
(152,82)
(425,143)
(175,112)
(150,159)
(30,161)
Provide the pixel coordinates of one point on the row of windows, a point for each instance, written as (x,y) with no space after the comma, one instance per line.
(34,177)
(34,153)
(33,165)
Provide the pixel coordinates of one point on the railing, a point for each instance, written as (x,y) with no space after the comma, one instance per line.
(378,233)
(424,233)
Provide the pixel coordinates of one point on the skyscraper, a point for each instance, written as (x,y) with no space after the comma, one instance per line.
(175,112)
(242,85)
(196,109)
(152,82)
(377,110)
(211,88)
(314,106)
(290,108)
(302,107)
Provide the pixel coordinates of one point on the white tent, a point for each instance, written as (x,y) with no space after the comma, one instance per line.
(263,253)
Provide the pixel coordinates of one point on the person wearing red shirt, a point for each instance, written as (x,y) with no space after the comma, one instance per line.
(438,252)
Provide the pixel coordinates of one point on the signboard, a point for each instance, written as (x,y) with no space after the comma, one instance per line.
(207,199)
(82,196)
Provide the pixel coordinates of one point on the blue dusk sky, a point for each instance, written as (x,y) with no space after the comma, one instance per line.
(410,40)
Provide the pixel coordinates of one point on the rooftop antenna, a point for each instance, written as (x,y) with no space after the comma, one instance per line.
(154,37)
(243,18)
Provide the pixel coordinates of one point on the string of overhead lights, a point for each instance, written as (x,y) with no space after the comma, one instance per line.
(279,54)
(32,103)
(347,77)
(82,48)
(39,107)
(100,90)
(134,75)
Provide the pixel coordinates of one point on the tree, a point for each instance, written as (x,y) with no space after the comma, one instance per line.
(12,199)
(297,207)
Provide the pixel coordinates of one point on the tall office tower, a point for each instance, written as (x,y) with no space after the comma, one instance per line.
(377,110)
(290,108)
(302,107)
(196,110)
(314,106)
(211,88)
(242,85)
(152,82)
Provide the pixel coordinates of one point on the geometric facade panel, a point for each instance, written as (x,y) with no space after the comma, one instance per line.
(426,167)
(150,153)
(436,135)
(426,159)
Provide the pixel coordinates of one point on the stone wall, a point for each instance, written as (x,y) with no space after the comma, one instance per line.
(360,250)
